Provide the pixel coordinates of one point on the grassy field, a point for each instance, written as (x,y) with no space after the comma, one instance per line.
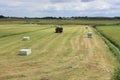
(112,33)
(61,22)
(66,56)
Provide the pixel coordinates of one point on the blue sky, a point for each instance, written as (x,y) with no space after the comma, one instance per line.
(63,8)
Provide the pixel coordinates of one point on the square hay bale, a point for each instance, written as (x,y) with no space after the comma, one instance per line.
(26,38)
(86,27)
(89,34)
(25,52)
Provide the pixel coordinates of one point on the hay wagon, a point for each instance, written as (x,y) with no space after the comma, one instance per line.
(58,29)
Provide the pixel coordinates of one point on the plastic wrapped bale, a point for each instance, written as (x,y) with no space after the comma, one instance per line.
(89,34)
(86,27)
(59,29)
(25,52)
(26,38)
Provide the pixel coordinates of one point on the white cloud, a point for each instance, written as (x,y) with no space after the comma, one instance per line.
(40,6)
(80,6)
(10,3)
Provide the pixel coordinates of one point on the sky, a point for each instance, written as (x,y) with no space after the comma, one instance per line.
(63,8)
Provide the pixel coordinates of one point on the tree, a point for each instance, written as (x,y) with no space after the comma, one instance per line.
(1,16)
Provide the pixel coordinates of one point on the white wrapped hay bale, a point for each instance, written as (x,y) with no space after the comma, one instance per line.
(89,34)
(25,52)
(86,27)
(26,38)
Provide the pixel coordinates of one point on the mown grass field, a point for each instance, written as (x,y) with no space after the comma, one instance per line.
(66,56)
(112,33)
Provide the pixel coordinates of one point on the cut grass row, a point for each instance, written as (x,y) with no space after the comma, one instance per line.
(7,30)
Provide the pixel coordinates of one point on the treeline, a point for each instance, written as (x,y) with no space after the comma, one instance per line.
(77,17)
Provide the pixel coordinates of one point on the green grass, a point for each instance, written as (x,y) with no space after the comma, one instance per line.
(66,56)
(60,22)
(112,33)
